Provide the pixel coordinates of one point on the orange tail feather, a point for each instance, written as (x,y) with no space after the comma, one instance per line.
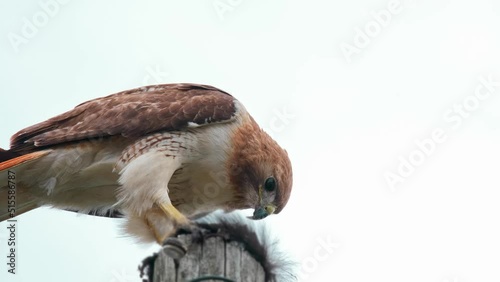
(15,200)
(17,160)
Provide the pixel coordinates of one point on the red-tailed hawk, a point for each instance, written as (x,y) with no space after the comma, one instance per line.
(161,155)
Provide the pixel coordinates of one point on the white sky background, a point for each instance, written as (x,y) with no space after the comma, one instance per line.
(350,120)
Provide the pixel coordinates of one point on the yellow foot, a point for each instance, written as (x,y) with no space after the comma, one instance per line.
(164,220)
(172,212)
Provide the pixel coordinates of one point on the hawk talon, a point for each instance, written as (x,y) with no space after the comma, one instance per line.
(197,232)
(189,228)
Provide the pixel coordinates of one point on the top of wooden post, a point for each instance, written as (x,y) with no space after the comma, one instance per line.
(224,248)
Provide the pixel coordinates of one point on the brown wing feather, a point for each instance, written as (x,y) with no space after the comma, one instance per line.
(131,113)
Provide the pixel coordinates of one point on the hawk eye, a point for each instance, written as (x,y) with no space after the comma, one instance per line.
(270,184)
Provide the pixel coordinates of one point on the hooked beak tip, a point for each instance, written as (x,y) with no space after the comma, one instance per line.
(259,213)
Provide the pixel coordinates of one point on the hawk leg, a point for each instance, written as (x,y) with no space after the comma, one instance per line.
(164,220)
(144,195)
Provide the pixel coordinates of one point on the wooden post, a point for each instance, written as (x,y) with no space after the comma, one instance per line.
(214,256)
(226,247)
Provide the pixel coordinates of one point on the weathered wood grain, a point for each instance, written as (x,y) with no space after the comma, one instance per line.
(214,256)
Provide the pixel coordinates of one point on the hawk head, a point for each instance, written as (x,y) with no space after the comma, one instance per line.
(260,171)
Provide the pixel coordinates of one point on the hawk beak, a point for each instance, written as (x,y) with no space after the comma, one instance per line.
(262,212)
